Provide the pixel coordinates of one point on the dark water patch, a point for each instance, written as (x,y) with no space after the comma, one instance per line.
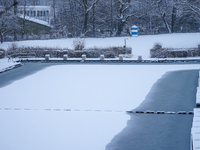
(154,132)
(173,92)
(10,76)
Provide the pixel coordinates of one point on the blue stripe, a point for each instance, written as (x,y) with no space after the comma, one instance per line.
(134,28)
(134,33)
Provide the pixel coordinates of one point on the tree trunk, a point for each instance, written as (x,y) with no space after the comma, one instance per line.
(1,38)
(163,17)
(85,22)
(120,27)
(23,28)
(111,18)
(167,26)
(173,18)
(93,22)
(15,13)
(54,11)
(24,21)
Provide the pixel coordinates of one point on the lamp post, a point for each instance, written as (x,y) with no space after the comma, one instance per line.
(125,44)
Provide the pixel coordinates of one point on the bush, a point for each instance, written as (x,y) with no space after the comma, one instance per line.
(57,52)
(157,46)
(116,50)
(79,44)
(199,46)
(158,52)
(13,47)
(174,53)
(2,53)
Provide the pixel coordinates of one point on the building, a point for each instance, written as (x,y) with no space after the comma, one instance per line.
(36,12)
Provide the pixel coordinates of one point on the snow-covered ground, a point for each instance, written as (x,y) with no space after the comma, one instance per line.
(34,111)
(140,45)
(4,63)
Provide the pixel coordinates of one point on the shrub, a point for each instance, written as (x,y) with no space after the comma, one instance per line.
(109,54)
(95,52)
(157,46)
(158,53)
(198,50)
(174,53)
(79,44)
(2,53)
(12,47)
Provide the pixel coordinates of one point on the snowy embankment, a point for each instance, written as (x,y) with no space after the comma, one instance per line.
(141,45)
(195,131)
(7,65)
(35,110)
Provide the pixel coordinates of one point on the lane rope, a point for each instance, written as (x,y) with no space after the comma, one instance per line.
(99,110)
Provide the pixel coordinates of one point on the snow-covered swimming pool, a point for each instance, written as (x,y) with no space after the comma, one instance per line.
(97,95)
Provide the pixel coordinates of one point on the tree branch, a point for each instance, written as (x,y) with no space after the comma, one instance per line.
(8,8)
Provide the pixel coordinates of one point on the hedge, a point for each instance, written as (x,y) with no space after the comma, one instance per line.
(174,53)
(57,52)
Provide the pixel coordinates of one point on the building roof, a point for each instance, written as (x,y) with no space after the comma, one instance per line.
(35,7)
(41,22)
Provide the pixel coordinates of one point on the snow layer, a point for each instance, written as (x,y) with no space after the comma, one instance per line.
(195,131)
(4,63)
(141,45)
(38,21)
(32,110)
(97,95)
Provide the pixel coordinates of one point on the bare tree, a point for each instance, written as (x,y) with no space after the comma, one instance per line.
(7,18)
(15,13)
(7,8)
(88,6)
(24,4)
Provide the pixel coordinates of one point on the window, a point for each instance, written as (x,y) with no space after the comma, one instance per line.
(47,12)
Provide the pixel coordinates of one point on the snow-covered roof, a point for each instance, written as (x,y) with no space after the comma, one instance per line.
(41,22)
(35,7)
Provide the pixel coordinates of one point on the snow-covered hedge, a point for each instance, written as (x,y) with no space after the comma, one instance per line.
(2,53)
(174,53)
(57,52)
